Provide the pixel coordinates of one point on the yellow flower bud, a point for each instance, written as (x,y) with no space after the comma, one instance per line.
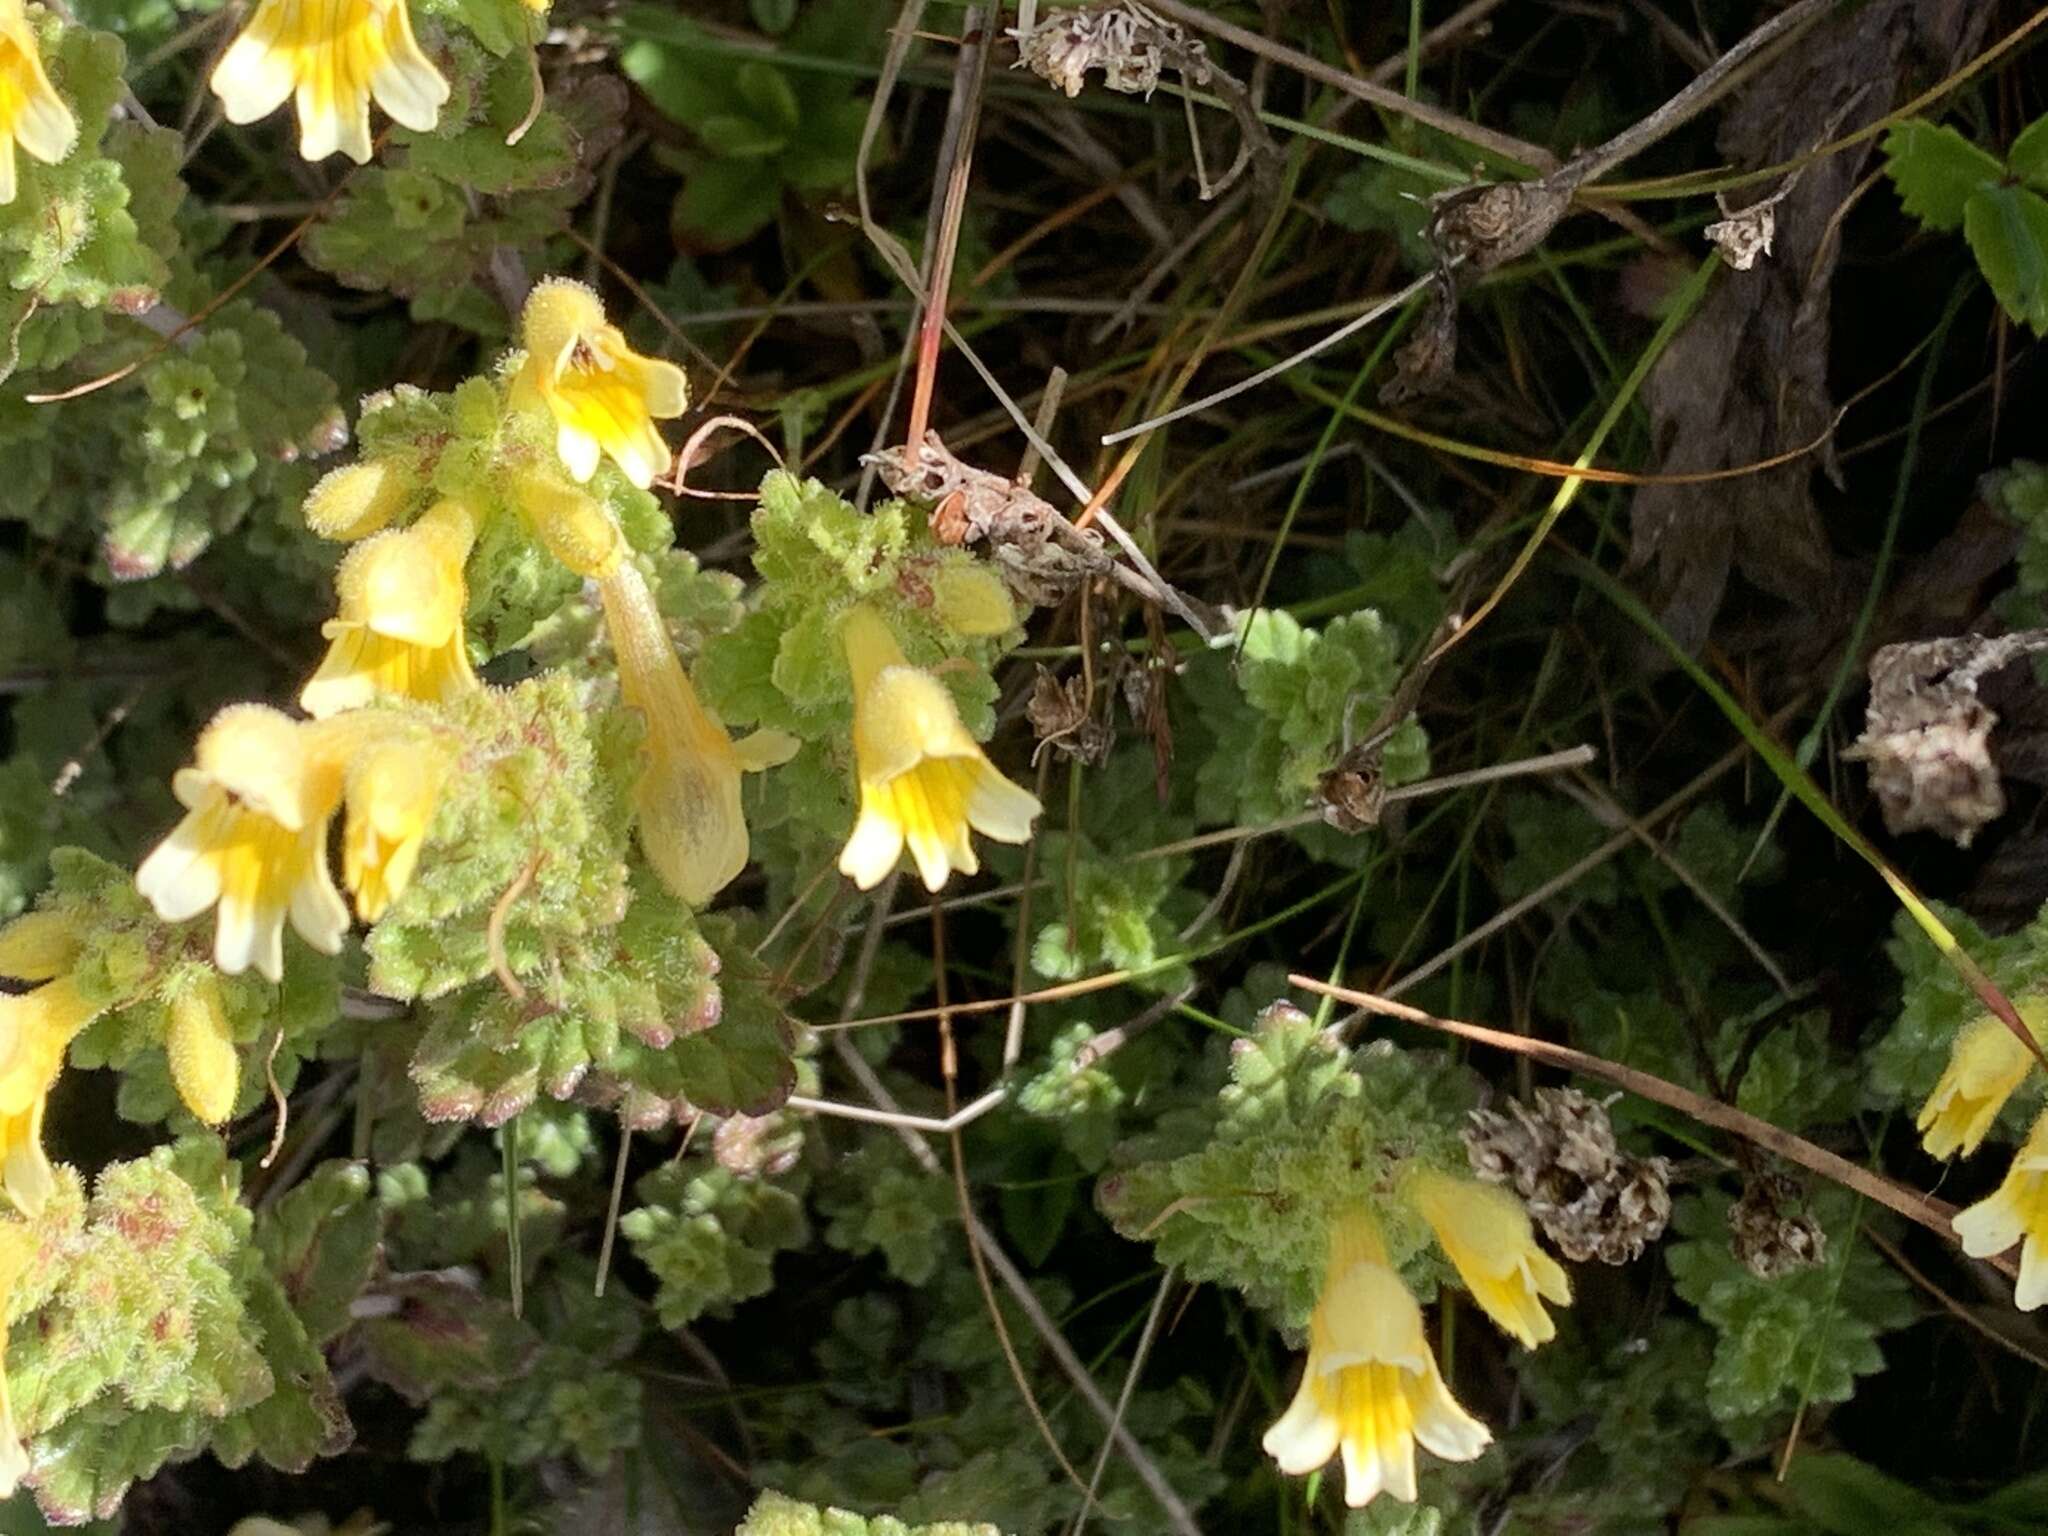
(37,946)
(971,599)
(569,522)
(604,397)
(204,1066)
(357,500)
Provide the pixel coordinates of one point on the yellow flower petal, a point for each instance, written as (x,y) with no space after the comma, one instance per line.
(1485,1232)
(604,397)
(253,842)
(394,789)
(1985,1064)
(1371,1389)
(32,115)
(2016,1213)
(924,780)
(400,631)
(333,56)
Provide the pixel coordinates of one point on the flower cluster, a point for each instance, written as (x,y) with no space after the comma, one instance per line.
(1371,1389)
(265,788)
(1986,1065)
(317,818)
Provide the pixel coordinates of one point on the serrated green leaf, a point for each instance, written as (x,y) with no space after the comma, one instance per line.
(2028,157)
(2007,228)
(1936,171)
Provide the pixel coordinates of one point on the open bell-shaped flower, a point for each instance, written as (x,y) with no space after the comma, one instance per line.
(1986,1063)
(399,633)
(1486,1234)
(334,56)
(32,115)
(2017,1212)
(604,397)
(687,798)
(258,803)
(1371,1389)
(924,781)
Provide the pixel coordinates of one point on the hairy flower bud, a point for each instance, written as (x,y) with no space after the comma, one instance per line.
(569,522)
(357,500)
(204,1067)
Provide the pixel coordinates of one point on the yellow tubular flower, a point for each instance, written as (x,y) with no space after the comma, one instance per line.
(17,1253)
(335,55)
(604,397)
(2018,1212)
(32,117)
(1986,1063)
(1485,1233)
(254,839)
(201,1048)
(1371,1388)
(36,1028)
(394,788)
(400,631)
(687,799)
(924,780)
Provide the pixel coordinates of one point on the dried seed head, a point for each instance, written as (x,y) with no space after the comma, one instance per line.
(1126,42)
(1927,736)
(1771,1230)
(1060,719)
(1591,1199)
